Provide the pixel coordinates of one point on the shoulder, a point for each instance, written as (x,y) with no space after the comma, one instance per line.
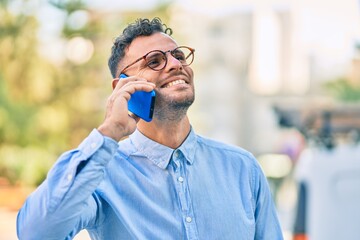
(221,146)
(126,148)
(234,159)
(226,150)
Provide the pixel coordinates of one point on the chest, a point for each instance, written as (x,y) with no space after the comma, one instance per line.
(183,201)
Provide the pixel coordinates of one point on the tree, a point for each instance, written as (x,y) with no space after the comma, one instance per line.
(48,107)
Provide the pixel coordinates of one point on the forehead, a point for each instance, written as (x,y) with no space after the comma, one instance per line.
(144,44)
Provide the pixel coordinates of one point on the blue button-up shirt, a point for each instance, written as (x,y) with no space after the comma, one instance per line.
(139,189)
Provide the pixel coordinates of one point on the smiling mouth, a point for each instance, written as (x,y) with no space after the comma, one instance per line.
(173,83)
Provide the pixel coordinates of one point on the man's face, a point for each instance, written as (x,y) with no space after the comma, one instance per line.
(174,84)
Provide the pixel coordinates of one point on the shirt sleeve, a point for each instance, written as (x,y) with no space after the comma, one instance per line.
(64,203)
(266,219)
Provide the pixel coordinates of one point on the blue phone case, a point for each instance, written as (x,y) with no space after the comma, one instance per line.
(141,103)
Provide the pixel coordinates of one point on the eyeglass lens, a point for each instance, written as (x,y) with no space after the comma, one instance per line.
(157,59)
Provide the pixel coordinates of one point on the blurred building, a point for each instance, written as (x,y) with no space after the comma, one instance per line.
(251,55)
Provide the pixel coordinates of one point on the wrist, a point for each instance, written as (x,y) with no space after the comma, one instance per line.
(111,132)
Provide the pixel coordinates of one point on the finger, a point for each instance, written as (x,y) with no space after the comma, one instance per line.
(131,88)
(128,89)
(133,116)
(138,86)
(122,81)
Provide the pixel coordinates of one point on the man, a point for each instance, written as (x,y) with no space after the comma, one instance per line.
(164,181)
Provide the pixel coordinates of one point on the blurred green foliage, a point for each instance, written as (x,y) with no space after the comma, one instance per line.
(45,107)
(343,90)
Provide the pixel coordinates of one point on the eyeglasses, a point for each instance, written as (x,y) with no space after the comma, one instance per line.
(157,59)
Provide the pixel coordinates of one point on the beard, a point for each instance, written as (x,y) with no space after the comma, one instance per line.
(170,109)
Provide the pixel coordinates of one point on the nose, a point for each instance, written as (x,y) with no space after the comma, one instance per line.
(173,63)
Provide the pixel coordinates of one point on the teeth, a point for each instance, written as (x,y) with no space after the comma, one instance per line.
(176,82)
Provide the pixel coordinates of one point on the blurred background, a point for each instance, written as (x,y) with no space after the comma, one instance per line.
(280,78)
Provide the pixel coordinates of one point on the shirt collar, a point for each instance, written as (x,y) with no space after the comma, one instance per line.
(160,154)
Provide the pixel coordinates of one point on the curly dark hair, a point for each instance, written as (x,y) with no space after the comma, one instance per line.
(141,27)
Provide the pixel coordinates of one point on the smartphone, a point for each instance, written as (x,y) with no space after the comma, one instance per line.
(141,103)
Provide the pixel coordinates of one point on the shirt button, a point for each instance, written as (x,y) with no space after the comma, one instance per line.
(176,154)
(188,219)
(69,177)
(93,145)
(181,179)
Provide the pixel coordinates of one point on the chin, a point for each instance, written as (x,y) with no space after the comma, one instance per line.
(172,109)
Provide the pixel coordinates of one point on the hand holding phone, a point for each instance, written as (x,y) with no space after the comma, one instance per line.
(141,103)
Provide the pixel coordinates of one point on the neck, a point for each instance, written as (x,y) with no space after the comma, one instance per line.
(168,133)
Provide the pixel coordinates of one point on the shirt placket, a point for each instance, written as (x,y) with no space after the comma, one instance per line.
(182,189)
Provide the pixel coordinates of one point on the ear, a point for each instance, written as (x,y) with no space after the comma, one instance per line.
(114,82)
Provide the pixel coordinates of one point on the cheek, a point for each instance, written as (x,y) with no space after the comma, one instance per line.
(189,72)
(149,75)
